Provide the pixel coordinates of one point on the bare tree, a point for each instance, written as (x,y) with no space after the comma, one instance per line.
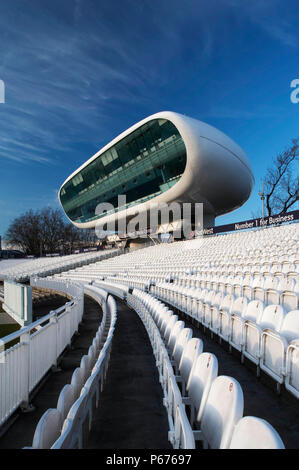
(282,181)
(42,232)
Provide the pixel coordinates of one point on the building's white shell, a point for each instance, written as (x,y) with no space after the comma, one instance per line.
(217,173)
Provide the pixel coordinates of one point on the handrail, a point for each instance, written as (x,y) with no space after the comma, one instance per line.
(24,364)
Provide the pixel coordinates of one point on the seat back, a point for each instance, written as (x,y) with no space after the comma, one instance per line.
(92,356)
(65,400)
(191,351)
(75,415)
(47,430)
(64,441)
(255,433)
(177,328)
(210,297)
(286,284)
(271,282)
(183,338)
(289,300)
(170,324)
(77,381)
(202,375)
(85,366)
(227,303)
(164,322)
(272,317)
(217,300)
(254,311)
(239,306)
(224,408)
(290,326)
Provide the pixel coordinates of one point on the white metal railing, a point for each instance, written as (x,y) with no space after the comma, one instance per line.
(70,430)
(72,433)
(38,347)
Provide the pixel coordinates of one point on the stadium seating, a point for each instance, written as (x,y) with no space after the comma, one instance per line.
(242,288)
(228,284)
(216,402)
(48,266)
(255,433)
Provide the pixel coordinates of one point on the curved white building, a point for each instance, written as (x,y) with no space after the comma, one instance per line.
(164,158)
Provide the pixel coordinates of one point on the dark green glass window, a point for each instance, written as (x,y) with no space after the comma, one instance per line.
(146,163)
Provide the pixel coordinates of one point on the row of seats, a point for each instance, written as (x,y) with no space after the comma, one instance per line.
(266,335)
(216,401)
(64,427)
(265,280)
(191,277)
(212,251)
(271,290)
(198,277)
(50,265)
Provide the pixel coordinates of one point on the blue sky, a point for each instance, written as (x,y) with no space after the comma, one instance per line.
(79,72)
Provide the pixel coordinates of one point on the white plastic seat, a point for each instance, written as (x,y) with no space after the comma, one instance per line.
(92,389)
(85,366)
(165,322)
(71,435)
(65,439)
(289,300)
(203,373)
(191,351)
(77,381)
(182,340)
(174,334)
(65,400)
(212,313)
(47,430)
(208,302)
(223,410)
(217,322)
(200,304)
(274,346)
(272,296)
(237,287)
(231,322)
(247,291)
(170,324)
(271,318)
(251,331)
(292,368)
(241,313)
(91,356)
(255,433)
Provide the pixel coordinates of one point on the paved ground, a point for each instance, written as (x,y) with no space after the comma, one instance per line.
(21,433)
(131,414)
(260,396)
